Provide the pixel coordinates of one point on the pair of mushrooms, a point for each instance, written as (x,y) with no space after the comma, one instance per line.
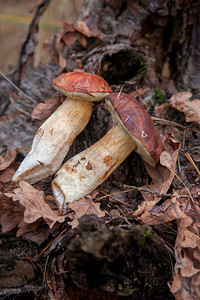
(81,174)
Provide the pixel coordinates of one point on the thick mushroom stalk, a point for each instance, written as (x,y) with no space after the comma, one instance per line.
(54,138)
(81,174)
(134,130)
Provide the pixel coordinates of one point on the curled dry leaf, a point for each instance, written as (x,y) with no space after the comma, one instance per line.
(11,213)
(68,36)
(186,282)
(35,206)
(43,110)
(72,32)
(160,110)
(53,46)
(7,175)
(37,231)
(168,211)
(191,109)
(85,206)
(162,175)
(9,158)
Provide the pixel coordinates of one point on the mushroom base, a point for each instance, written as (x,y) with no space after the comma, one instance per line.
(81,174)
(53,140)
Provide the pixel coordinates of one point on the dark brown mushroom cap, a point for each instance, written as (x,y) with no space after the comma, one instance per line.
(132,116)
(82,86)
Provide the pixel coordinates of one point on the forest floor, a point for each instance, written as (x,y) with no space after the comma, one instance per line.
(137,235)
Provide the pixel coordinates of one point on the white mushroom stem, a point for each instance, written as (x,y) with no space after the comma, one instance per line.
(81,174)
(53,139)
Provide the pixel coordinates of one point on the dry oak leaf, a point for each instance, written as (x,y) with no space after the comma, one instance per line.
(35,206)
(43,110)
(37,232)
(70,30)
(162,175)
(9,158)
(191,109)
(186,284)
(53,46)
(7,174)
(85,206)
(166,212)
(11,213)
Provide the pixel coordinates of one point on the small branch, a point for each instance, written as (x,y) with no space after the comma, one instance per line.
(192,162)
(115,199)
(16,87)
(161,121)
(140,189)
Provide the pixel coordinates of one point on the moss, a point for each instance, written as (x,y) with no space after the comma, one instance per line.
(147,236)
(160,96)
(125,65)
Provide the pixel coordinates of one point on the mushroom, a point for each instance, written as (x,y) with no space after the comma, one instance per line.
(133,130)
(53,139)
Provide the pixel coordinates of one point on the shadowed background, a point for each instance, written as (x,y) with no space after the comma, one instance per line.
(15,17)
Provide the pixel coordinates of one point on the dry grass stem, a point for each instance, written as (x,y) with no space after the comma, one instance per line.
(192,162)
(18,89)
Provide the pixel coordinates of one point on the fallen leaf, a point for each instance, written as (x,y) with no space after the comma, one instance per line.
(25,228)
(170,210)
(53,46)
(68,35)
(37,232)
(162,175)
(85,206)
(43,110)
(160,110)
(7,174)
(11,213)
(9,158)
(34,204)
(186,281)
(191,109)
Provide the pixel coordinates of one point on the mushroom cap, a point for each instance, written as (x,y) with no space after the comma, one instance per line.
(131,116)
(82,86)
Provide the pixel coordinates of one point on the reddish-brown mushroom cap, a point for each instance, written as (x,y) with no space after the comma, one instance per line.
(132,116)
(82,86)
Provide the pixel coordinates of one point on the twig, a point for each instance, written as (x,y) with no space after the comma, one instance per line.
(183,143)
(116,199)
(50,244)
(140,189)
(167,122)
(16,87)
(117,193)
(192,162)
(9,116)
(158,120)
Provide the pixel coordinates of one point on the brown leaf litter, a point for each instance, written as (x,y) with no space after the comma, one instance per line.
(68,35)
(85,206)
(191,109)
(43,110)
(162,175)
(34,204)
(9,158)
